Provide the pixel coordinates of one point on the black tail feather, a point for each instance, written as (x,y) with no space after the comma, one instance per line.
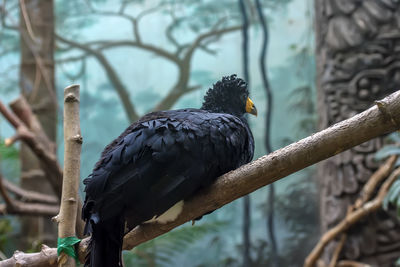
(105,245)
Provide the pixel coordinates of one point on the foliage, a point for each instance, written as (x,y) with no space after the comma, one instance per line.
(5,230)
(303,233)
(392,198)
(392,148)
(163,250)
(9,159)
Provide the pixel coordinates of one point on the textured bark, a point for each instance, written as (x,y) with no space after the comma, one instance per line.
(37,84)
(72,155)
(357,62)
(261,172)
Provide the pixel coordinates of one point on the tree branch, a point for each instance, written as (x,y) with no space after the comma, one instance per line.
(266,170)
(22,208)
(47,158)
(12,206)
(174,94)
(35,142)
(7,199)
(72,155)
(351,218)
(207,35)
(148,47)
(29,196)
(368,189)
(112,75)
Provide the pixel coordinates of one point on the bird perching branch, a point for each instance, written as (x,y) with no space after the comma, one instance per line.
(382,118)
(72,151)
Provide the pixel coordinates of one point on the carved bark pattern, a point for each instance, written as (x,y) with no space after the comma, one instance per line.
(358,45)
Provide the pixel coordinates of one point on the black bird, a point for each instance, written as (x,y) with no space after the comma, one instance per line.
(162,159)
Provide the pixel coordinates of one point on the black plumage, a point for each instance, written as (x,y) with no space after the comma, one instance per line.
(163,158)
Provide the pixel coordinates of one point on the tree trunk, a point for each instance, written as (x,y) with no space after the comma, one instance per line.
(358,44)
(37,85)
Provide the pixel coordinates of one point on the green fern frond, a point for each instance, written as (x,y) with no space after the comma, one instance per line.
(165,248)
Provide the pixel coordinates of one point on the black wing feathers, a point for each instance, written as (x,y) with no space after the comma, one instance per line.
(164,158)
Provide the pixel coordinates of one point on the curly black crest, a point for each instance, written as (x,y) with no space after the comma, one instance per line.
(228,95)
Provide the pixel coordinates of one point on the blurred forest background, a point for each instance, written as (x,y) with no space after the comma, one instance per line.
(134,56)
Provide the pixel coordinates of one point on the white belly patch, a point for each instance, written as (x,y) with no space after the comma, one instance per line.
(170,215)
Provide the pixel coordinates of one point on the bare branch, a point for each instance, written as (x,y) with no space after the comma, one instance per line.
(29,196)
(366,193)
(119,14)
(337,251)
(12,119)
(36,143)
(7,199)
(376,178)
(174,94)
(72,59)
(12,206)
(46,156)
(198,42)
(45,258)
(22,208)
(351,218)
(148,47)
(112,75)
(72,155)
(27,20)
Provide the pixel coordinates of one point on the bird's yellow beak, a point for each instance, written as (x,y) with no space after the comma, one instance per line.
(250,107)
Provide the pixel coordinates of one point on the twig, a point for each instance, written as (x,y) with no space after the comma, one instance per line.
(29,196)
(12,206)
(351,219)
(337,251)
(10,116)
(23,208)
(366,193)
(46,156)
(122,91)
(72,153)
(27,20)
(268,169)
(7,199)
(375,179)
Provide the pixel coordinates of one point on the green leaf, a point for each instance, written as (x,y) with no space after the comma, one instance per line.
(393,196)
(386,151)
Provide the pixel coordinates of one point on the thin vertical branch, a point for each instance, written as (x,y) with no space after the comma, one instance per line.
(72,151)
(267,137)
